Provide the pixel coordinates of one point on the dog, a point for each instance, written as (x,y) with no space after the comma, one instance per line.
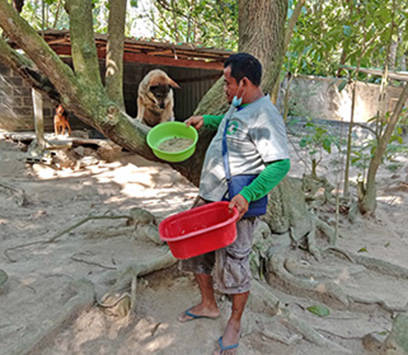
(61,121)
(155,98)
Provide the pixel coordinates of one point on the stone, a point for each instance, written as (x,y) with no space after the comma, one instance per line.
(109,151)
(374,341)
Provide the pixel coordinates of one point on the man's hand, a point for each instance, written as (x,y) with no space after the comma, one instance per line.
(240,203)
(195,121)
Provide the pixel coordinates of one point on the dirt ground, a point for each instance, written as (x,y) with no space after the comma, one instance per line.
(41,276)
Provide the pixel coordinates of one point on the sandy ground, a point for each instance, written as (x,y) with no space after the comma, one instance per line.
(40,274)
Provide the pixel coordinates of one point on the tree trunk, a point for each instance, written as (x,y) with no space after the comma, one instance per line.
(367,203)
(83,49)
(261,33)
(114,55)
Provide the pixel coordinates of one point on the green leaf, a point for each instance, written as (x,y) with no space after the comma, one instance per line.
(362,250)
(327,145)
(319,310)
(386,245)
(303,142)
(342,85)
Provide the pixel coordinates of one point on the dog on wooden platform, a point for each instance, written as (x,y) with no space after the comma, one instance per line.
(155,100)
(61,121)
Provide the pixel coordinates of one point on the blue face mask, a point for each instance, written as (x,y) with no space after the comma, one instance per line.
(236,102)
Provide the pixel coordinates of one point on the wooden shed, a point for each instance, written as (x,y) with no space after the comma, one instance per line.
(194,68)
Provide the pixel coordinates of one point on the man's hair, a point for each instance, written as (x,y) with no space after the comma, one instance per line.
(244,64)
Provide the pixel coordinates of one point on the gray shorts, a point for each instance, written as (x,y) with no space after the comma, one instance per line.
(228,266)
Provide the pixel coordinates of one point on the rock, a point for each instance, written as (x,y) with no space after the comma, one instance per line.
(397,341)
(64,159)
(79,150)
(109,151)
(374,341)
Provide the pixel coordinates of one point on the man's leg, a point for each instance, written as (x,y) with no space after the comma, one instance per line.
(232,330)
(208,305)
(232,276)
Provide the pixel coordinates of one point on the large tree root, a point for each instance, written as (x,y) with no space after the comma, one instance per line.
(138,218)
(81,298)
(262,300)
(57,236)
(382,266)
(294,275)
(125,302)
(309,333)
(18,194)
(3,279)
(316,272)
(327,230)
(328,291)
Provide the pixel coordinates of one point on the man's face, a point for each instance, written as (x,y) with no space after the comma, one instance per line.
(230,85)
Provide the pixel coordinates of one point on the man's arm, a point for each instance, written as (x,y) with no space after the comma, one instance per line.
(271,176)
(212,121)
(262,185)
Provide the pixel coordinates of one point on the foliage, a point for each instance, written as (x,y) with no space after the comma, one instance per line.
(210,23)
(43,15)
(362,154)
(319,310)
(331,32)
(315,140)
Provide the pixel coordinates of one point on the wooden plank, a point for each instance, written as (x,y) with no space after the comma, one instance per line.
(159,60)
(378,72)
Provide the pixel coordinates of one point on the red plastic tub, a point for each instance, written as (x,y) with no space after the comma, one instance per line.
(199,230)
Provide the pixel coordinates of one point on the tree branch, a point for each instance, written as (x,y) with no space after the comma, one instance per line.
(47,61)
(114,51)
(83,49)
(27,69)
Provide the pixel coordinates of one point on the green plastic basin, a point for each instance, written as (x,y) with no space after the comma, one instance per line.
(168,130)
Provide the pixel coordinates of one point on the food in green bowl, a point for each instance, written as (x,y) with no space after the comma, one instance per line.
(172,141)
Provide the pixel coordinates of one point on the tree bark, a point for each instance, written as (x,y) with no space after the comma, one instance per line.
(83,49)
(114,55)
(368,202)
(27,70)
(261,33)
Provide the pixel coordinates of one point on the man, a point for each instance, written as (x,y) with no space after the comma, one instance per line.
(257,144)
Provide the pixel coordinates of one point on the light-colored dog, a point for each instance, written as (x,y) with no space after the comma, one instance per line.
(155,98)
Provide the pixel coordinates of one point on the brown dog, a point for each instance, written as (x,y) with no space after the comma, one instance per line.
(155,98)
(61,121)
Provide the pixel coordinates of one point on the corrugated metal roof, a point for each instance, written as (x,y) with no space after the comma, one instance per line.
(148,52)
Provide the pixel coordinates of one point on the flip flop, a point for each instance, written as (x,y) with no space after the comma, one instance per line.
(194,316)
(226,347)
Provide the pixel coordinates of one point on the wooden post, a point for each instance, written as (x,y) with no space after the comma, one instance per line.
(38,117)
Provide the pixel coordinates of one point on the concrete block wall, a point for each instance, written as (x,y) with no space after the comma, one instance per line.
(319,97)
(16,104)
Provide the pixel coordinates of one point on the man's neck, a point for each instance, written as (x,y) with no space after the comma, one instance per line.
(252,96)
